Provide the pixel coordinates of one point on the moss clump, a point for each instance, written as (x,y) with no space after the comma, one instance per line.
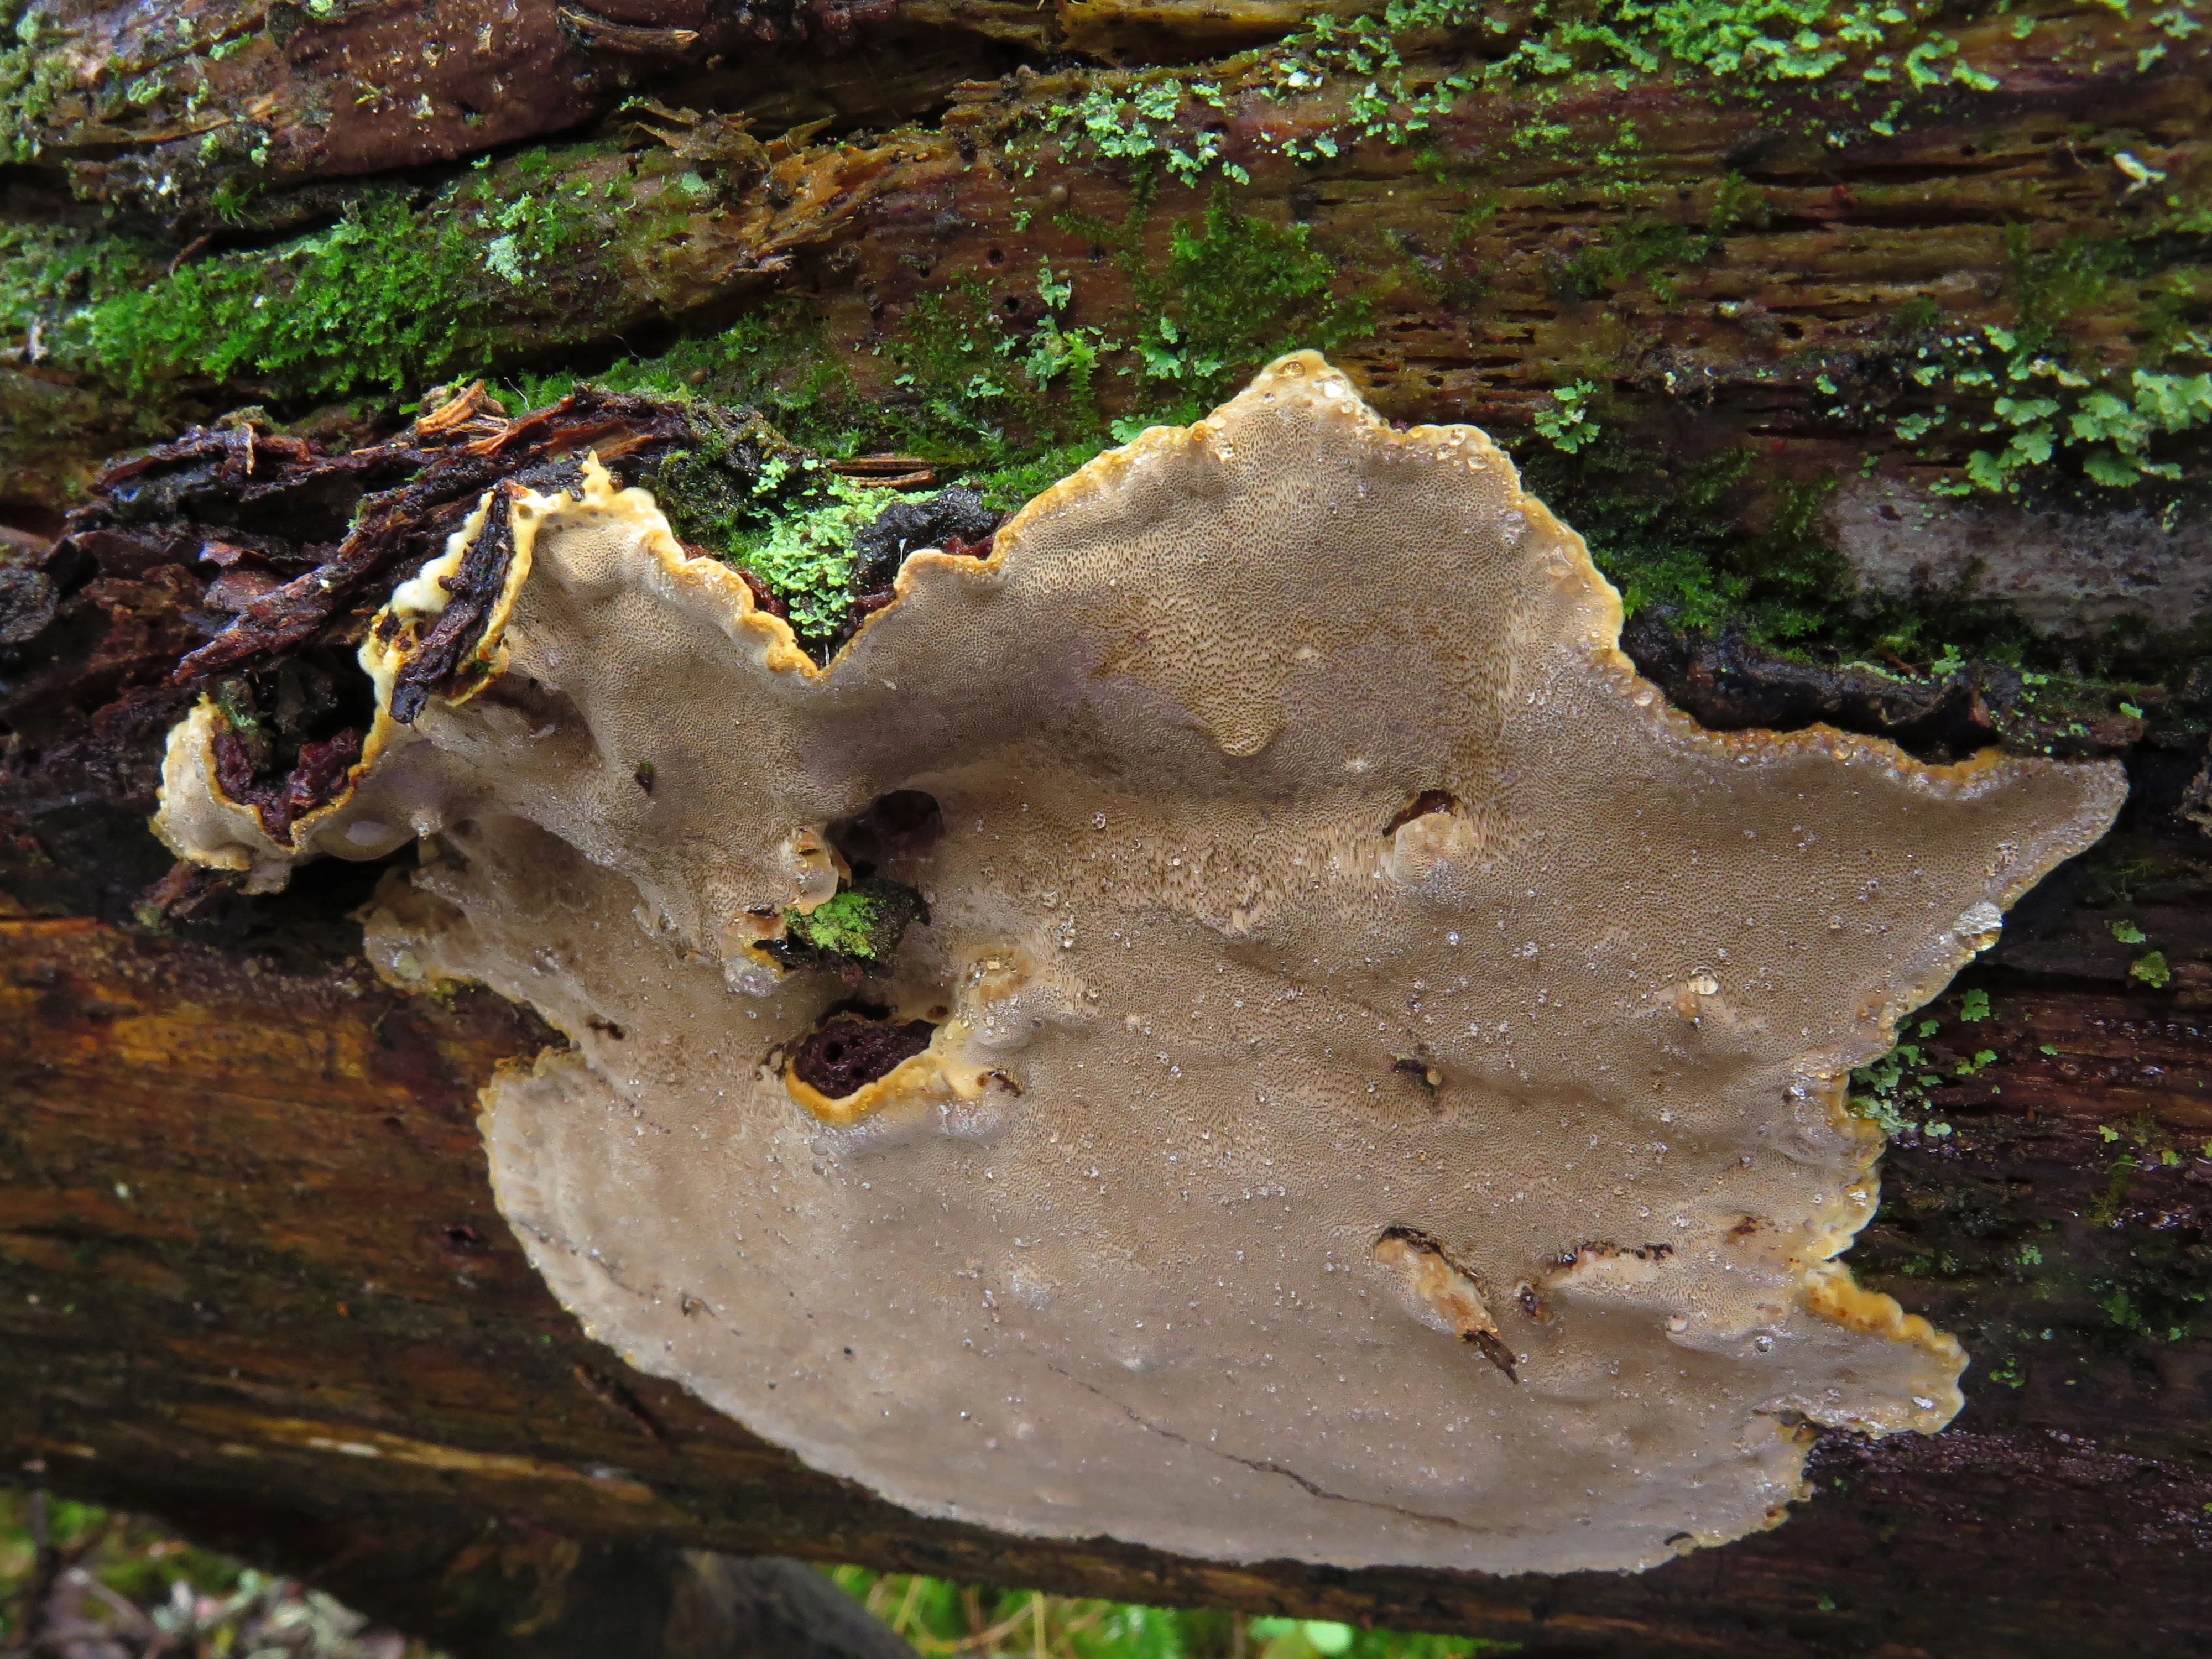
(396,293)
(776,360)
(33,76)
(1240,291)
(744,493)
(805,553)
(1671,536)
(860,926)
(53,278)
(711,489)
(385,297)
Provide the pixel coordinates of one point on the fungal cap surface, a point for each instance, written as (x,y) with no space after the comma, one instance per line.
(1379,1096)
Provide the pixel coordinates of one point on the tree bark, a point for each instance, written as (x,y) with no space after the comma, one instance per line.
(251,1275)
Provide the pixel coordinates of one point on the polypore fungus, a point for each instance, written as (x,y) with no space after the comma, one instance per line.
(1361,1081)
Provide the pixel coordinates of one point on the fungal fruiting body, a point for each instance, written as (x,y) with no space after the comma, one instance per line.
(1364,1082)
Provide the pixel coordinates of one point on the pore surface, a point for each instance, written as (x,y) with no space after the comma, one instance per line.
(1380,1100)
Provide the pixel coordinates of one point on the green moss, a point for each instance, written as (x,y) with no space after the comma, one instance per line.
(33,74)
(53,277)
(864,922)
(393,295)
(385,297)
(1244,290)
(776,360)
(1671,535)
(859,926)
(712,491)
(1656,252)
(804,552)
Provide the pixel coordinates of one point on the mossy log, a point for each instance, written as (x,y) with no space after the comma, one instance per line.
(1749,318)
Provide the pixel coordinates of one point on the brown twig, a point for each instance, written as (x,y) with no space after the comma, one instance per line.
(195,246)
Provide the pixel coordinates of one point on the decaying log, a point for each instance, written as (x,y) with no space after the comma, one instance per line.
(253,1276)
(250,1273)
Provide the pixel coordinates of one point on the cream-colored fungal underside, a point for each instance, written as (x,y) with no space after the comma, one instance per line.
(1139,1288)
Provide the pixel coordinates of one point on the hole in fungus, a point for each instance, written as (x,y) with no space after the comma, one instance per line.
(854,1044)
(1599,1252)
(905,823)
(1428,801)
(1448,1292)
(290,735)
(1424,1072)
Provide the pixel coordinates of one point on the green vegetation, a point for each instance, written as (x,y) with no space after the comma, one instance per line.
(941,1618)
(1396,71)
(1670,537)
(1567,425)
(54,279)
(805,554)
(860,924)
(1118,124)
(2017,387)
(398,292)
(844,924)
(208,1606)
(1892,1092)
(192,1604)
(1005,403)
(34,74)
(391,296)
(2150,969)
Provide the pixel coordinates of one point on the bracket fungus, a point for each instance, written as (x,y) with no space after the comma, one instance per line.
(1363,1081)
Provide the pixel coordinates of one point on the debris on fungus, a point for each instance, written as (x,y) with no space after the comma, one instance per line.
(1255,757)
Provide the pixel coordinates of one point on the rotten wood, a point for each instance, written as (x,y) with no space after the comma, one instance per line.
(251,1276)
(250,1273)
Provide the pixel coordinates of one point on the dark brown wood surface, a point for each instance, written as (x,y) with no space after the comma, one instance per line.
(250,1272)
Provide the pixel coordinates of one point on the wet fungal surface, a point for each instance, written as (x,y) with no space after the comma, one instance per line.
(1363,1081)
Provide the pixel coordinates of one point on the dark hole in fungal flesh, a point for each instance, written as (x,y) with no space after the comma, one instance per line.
(855,1045)
(905,823)
(1428,801)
